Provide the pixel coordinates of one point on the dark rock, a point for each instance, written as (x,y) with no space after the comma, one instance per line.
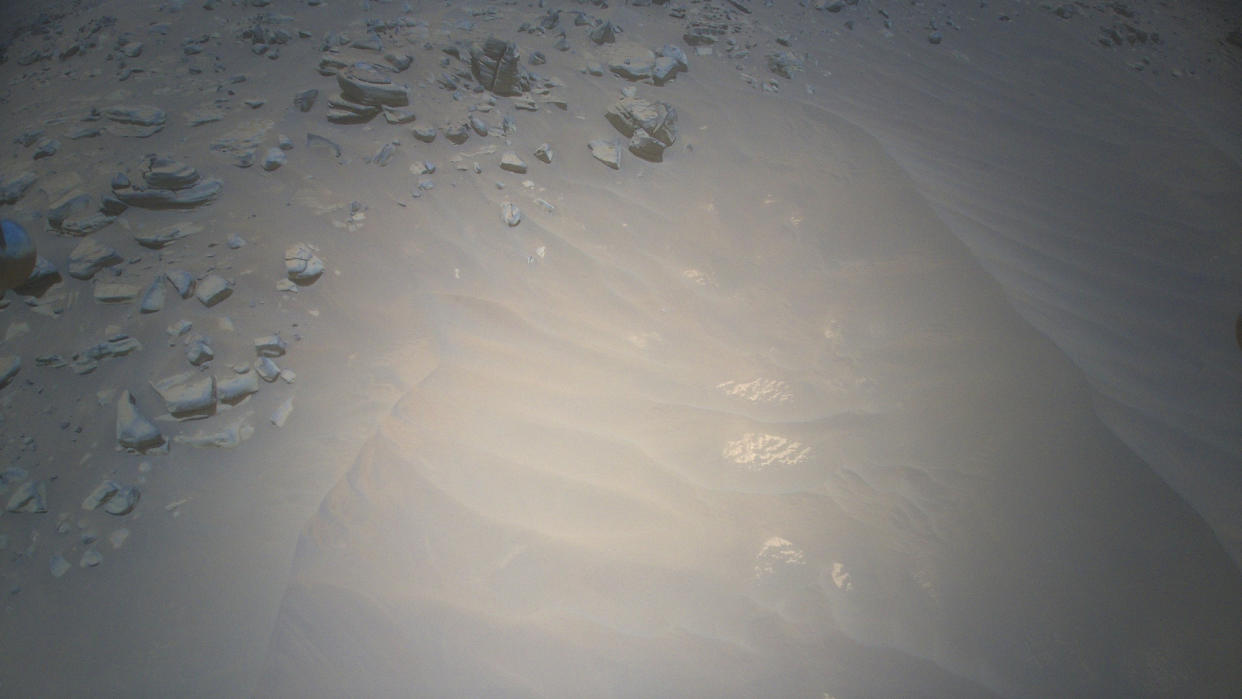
(658,119)
(784,64)
(17,255)
(604,33)
(305,99)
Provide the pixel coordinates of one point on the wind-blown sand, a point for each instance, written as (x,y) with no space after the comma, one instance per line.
(913,378)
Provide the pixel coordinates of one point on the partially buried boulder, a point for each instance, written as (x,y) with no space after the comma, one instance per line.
(365,83)
(651,126)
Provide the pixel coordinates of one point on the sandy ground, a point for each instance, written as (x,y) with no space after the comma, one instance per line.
(909,374)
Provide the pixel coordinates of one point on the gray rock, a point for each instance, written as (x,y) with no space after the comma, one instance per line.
(30,497)
(497,66)
(18,256)
(225,437)
(665,68)
(317,141)
(302,265)
(182,281)
(232,389)
(305,99)
(480,127)
(674,52)
(935,38)
(398,115)
(14,188)
(266,369)
(606,152)
(604,33)
(46,149)
(365,83)
(90,559)
(645,146)
(85,225)
(9,366)
(512,163)
(426,134)
(235,242)
(213,289)
(133,429)
(153,298)
(544,152)
(140,115)
(165,173)
(658,119)
(283,142)
(90,256)
(510,214)
(112,292)
(635,64)
(784,64)
(385,154)
(270,346)
(188,394)
(41,277)
(457,135)
(169,234)
(274,158)
(202,193)
(58,566)
(282,412)
(69,205)
(199,351)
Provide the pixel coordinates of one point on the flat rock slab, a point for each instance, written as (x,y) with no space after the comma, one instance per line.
(90,256)
(165,173)
(606,152)
(167,235)
(204,192)
(187,394)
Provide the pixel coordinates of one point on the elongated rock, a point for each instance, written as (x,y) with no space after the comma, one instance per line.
(133,429)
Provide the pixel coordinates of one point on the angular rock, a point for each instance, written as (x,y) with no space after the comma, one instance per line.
(140,115)
(398,115)
(633,63)
(115,498)
(302,265)
(199,352)
(270,346)
(232,389)
(497,66)
(213,289)
(512,163)
(165,173)
(305,99)
(606,152)
(113,292)
(510,214)
(266,369)
(647,147)
(604,33)
(153,297)
(158,239)
(188,394)
(202,193)
(14,188)
(68,205)
(457,135)
(182,281)
(426,134)
(30,497)
(658,119)
(90,256)
(544,152)
(784,64)
(133,429)
(282,412)
(85,225)
(366,83)
(18,256)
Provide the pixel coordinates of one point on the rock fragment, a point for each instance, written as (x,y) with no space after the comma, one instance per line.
(182,281)
(9,366)
(510,214)
(30,497)
(232,389)
(365,83)
(305,99)
(273,159)
(270,346)
(14,188)
(544,152)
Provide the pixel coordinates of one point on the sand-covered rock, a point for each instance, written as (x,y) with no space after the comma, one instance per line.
(133,429)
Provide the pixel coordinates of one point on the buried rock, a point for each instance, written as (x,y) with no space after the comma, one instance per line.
(114,498)
(90,256)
